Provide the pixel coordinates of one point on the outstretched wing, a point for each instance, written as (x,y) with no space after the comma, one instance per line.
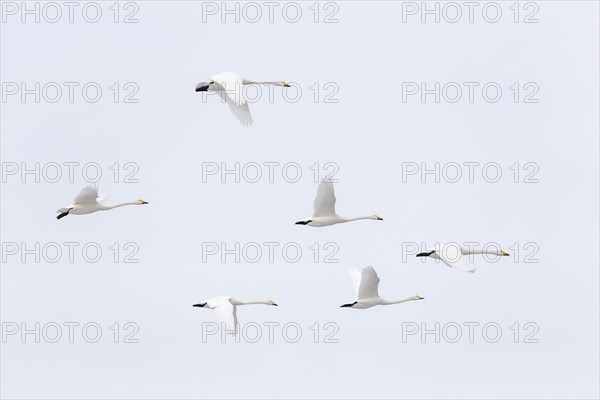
(230,89)
(366,282)
(451,255)
(226,314)
(88,195)
(324,204)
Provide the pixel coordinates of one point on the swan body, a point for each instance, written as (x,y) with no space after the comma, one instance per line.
(366,284)
(226,306)
(229,87)
(324,209)
(453,255)
(89,201)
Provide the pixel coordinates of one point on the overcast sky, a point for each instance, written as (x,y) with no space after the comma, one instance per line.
(358,115)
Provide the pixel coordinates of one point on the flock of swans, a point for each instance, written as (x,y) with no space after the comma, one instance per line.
(365,281)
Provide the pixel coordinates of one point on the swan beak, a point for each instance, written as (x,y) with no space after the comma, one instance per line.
(379,218)
(145,202)
(199,305)
(285,84)
(505,253)
(273,303)
(420,298)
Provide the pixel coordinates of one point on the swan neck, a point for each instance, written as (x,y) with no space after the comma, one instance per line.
(250,82)
(468,251)
(127,203)
(244,302)
(357,218)
(386,302)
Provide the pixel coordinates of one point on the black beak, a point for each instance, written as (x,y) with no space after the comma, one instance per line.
(202,89)
(199,305)
(145,202)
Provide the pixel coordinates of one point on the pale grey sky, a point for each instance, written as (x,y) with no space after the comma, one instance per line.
(170,135)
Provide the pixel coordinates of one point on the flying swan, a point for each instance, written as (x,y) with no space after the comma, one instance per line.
(229,87)
(324,208)
(88,201)
(225,308)
(452,254)
(366,282)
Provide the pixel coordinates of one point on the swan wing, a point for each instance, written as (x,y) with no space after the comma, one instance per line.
(366,282)
(88,195)
(324,204)
(240,112)
(452,256)
(355,275)
(226,314)
(230,89)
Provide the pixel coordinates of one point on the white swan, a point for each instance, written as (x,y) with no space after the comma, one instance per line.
(229,86)
(324,209)
(453,254)
(225,308)
(88,201)
(366,282)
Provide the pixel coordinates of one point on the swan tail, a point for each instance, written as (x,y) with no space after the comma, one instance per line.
(62,210)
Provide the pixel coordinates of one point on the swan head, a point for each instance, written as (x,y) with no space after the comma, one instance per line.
(503,253)
(377,217)
(284,84)
(140,202)
(273,303)
(419,298)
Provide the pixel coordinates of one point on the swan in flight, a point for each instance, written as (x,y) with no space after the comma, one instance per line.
(324,208)
(452,255)
(88,201)
(225,308)
(366,282)
(229,87)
